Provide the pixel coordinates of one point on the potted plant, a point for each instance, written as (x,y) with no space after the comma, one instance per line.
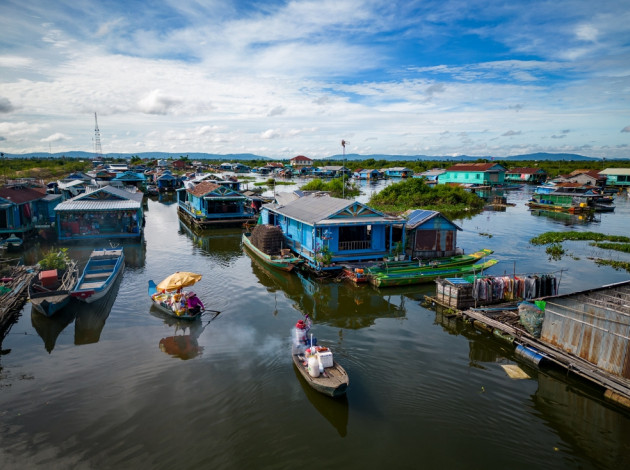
(399,251)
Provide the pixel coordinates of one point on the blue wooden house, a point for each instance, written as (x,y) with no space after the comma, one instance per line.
(367,174)
(213,202)
(430,235)
(329,231)
(618,177)
(398,172)
(106,212)
(474,174)
(165,181)
(20,208)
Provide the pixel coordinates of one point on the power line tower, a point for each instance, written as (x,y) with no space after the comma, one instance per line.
(98,151)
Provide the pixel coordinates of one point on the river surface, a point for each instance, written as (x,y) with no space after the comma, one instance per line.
(117,385)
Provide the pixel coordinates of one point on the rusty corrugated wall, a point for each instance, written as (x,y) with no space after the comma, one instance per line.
(593,325)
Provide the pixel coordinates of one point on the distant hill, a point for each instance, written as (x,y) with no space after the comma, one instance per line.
(144,155)
(529,156)
(352,156)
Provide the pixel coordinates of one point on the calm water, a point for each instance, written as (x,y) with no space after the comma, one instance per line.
(117,385)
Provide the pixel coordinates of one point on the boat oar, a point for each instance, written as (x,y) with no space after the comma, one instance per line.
(216,314)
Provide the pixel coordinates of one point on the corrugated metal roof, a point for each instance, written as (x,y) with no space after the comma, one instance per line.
(313,209)
(317,208)
(615,171)
(93,206)
(593,325)
(419,217)
(86,201)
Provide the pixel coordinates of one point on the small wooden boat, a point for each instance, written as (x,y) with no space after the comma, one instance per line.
(49,291)
(428,275)
(163,301)
(423,265)
(101,270)
(316,364)
(284,262)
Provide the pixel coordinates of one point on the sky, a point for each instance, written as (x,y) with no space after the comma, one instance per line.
(286,78)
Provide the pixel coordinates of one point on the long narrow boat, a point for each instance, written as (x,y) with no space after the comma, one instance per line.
(419,277)
(283,262)
(101,270)
(49,295)
(436,263)
(316,364)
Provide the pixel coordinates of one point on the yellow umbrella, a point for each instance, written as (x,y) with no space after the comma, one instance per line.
(178,280)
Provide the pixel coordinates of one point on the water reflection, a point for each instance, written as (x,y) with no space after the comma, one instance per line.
(90,318)
(49,328)
(335,411)
(339,304)
(580,419)
(224,242)
(184,343)
(567,219)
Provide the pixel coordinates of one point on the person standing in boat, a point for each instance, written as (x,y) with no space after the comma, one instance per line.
(195,305)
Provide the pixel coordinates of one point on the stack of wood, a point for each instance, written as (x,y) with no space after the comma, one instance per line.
(13,293)
(268,238)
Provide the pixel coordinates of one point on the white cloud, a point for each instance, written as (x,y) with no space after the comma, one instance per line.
(156,102)
(56,137)
(586,32)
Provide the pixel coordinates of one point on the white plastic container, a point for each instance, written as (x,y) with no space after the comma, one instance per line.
(313,366)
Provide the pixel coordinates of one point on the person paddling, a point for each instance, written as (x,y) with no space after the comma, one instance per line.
(195,305)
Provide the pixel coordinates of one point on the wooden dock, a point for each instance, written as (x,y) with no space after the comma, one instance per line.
(503,322)
(13,294)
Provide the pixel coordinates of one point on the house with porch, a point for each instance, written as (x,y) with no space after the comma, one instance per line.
(212,202)
(106,212)
(430,235)
(329,231)
(526,175)
(474,174)
(20,208)
(619,177)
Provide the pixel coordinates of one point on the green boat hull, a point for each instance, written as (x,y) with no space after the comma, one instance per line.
(420,277)
(438,263)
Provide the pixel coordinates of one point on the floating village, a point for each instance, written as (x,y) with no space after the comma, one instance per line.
(586,333)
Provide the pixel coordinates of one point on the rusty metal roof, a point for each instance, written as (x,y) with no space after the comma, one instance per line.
(593,325)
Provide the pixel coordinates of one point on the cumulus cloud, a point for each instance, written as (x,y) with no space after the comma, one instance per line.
(5,105)
(270,134)
(626,129)
(511,133)
(156,102)
(56,137)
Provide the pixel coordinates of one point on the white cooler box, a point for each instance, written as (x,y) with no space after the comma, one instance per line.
(325,358)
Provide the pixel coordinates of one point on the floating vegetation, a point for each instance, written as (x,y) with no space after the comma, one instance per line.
(618,265)
(555,251)
(485,234)
(623,247)
(558,237)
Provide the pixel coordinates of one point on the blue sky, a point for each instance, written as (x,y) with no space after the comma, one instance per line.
(281,79)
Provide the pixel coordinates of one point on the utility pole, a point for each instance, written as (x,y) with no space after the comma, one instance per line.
(343,169)
(98,151)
